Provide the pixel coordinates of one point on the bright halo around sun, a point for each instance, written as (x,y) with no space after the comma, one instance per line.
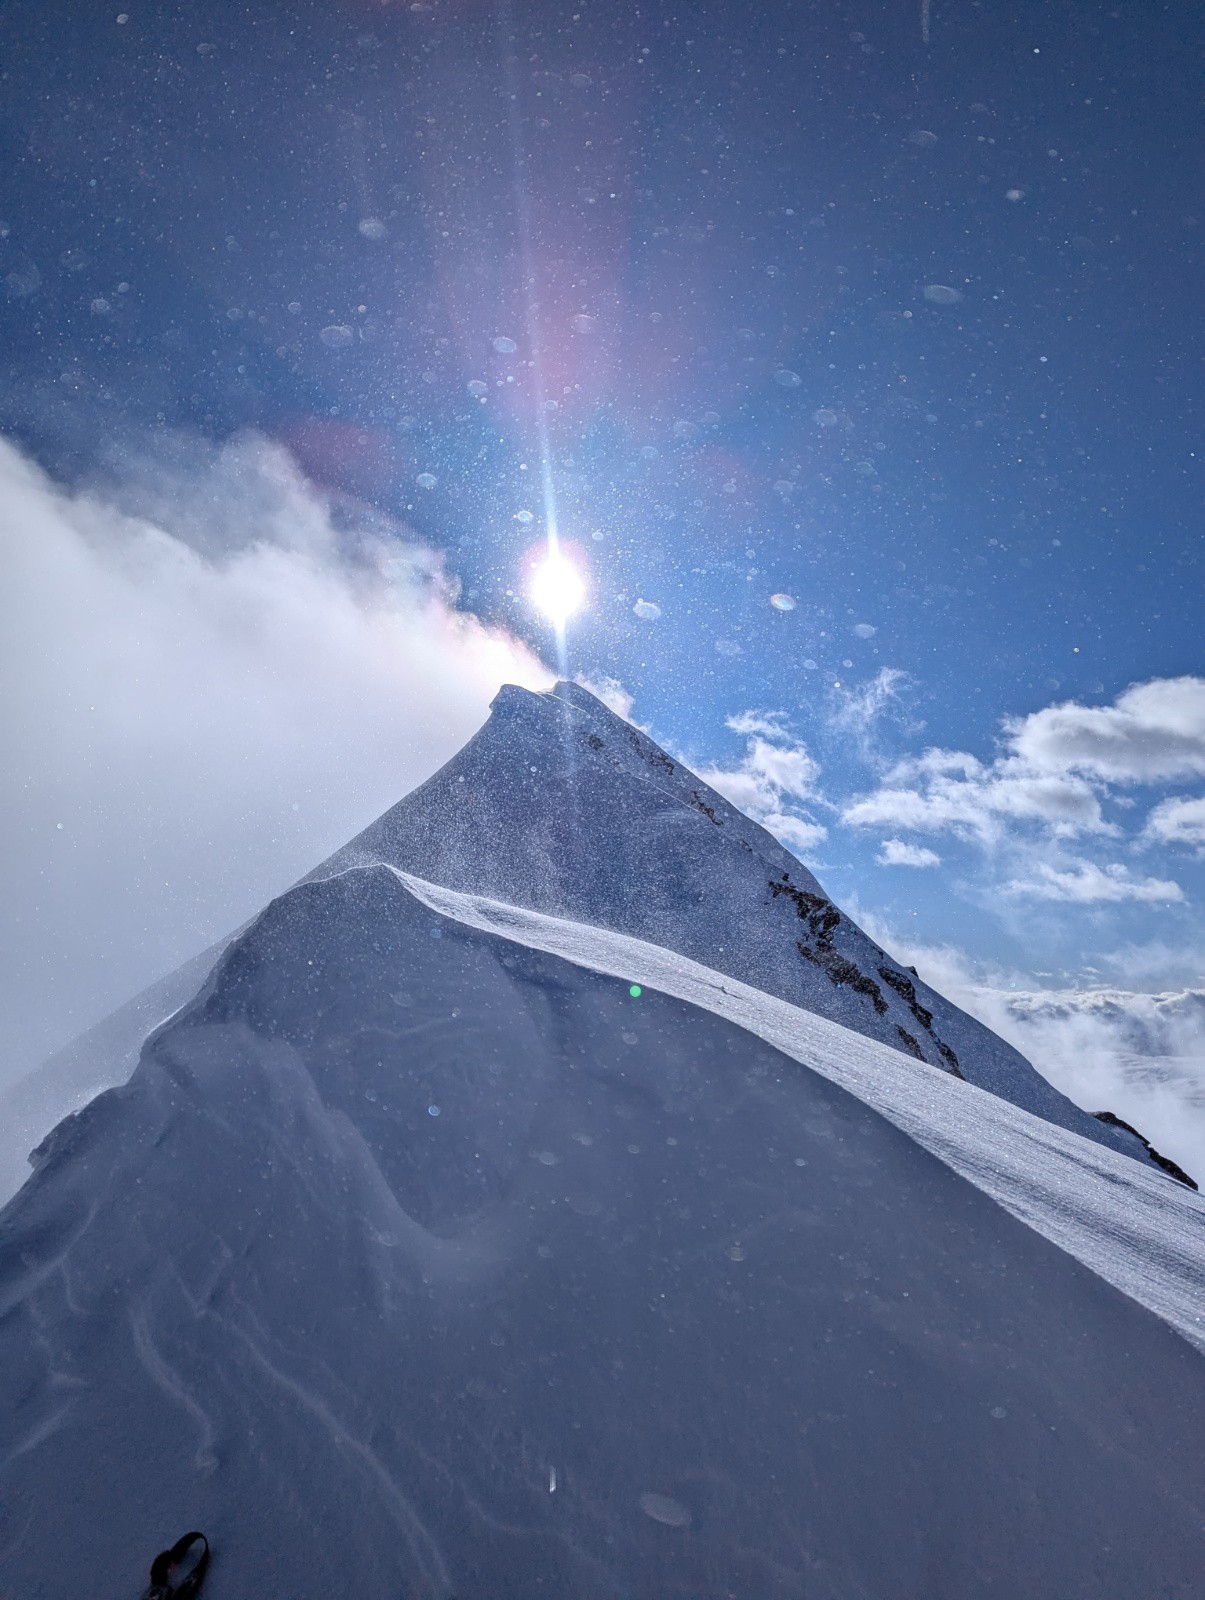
(558,589)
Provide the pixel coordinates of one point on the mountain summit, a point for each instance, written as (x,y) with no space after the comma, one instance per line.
(467,1240)
(559,805)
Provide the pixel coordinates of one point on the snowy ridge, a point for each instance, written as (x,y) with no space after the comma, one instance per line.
(419,1259)
(1139,1232)
(561,806)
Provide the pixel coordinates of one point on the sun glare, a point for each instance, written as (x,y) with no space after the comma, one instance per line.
(557,589)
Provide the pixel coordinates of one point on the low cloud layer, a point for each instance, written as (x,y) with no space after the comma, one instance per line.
(1136,1053)
(202,700)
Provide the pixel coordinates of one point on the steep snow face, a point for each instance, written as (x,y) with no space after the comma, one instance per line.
(559,805)
(414,1260)
(1117,1216)
(562,807)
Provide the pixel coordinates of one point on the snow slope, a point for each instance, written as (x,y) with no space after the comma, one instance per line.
(560,806)
(422,1257)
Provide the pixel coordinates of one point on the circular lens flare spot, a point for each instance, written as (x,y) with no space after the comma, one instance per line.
(557,589)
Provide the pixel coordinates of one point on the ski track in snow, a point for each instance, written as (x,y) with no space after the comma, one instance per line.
(421,1544)
(1140,1231)
(166,1379)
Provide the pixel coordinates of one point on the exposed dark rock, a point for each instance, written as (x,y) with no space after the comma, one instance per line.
(697,800)
(910,1043)
(906,989)
(1114,1121)
(950,1059)
(844,972)
(820,914)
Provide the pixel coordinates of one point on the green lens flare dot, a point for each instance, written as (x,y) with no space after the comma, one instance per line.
(635,991)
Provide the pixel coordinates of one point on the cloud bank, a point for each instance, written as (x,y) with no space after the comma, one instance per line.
(202,700)
(1138,1054)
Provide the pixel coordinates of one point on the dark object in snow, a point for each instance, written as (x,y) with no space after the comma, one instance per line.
(1112,1120)
(178,1573)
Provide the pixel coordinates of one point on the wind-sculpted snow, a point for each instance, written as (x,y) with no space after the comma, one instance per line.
(1123,1221)
(421,1256)
(560,806)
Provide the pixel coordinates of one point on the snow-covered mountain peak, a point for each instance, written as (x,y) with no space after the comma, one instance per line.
(560,805)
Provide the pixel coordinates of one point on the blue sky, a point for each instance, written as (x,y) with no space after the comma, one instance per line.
(905,334)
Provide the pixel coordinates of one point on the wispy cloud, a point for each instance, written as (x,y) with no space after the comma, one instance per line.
(611,692)
(858,706)
(773,779)
(948,791)
(202,699)
(1056,772)
(1178,821)
(1085,883)
(898,853)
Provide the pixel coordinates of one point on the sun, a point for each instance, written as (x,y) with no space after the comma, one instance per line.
(558,589)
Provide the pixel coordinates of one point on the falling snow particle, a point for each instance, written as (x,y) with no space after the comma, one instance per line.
(338,336)
(941,294)
(865,630)
(426,480)
(646,610)
(824,418)
(783,602)
(524,517)
(1014,194)
(923,138)
(505,346)
(373,228)
(663,1508)
(787,378)
(727,647)
(478,389)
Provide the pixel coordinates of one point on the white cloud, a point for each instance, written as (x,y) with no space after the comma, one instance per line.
(948,791)
(1086,883)
(1138,1054)
(200,705)
(796,832)
(611,692)
(859,706)
(1056,767)
(898,853)
(1152,731)
(771,780)
(771,724)
(1178,821)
